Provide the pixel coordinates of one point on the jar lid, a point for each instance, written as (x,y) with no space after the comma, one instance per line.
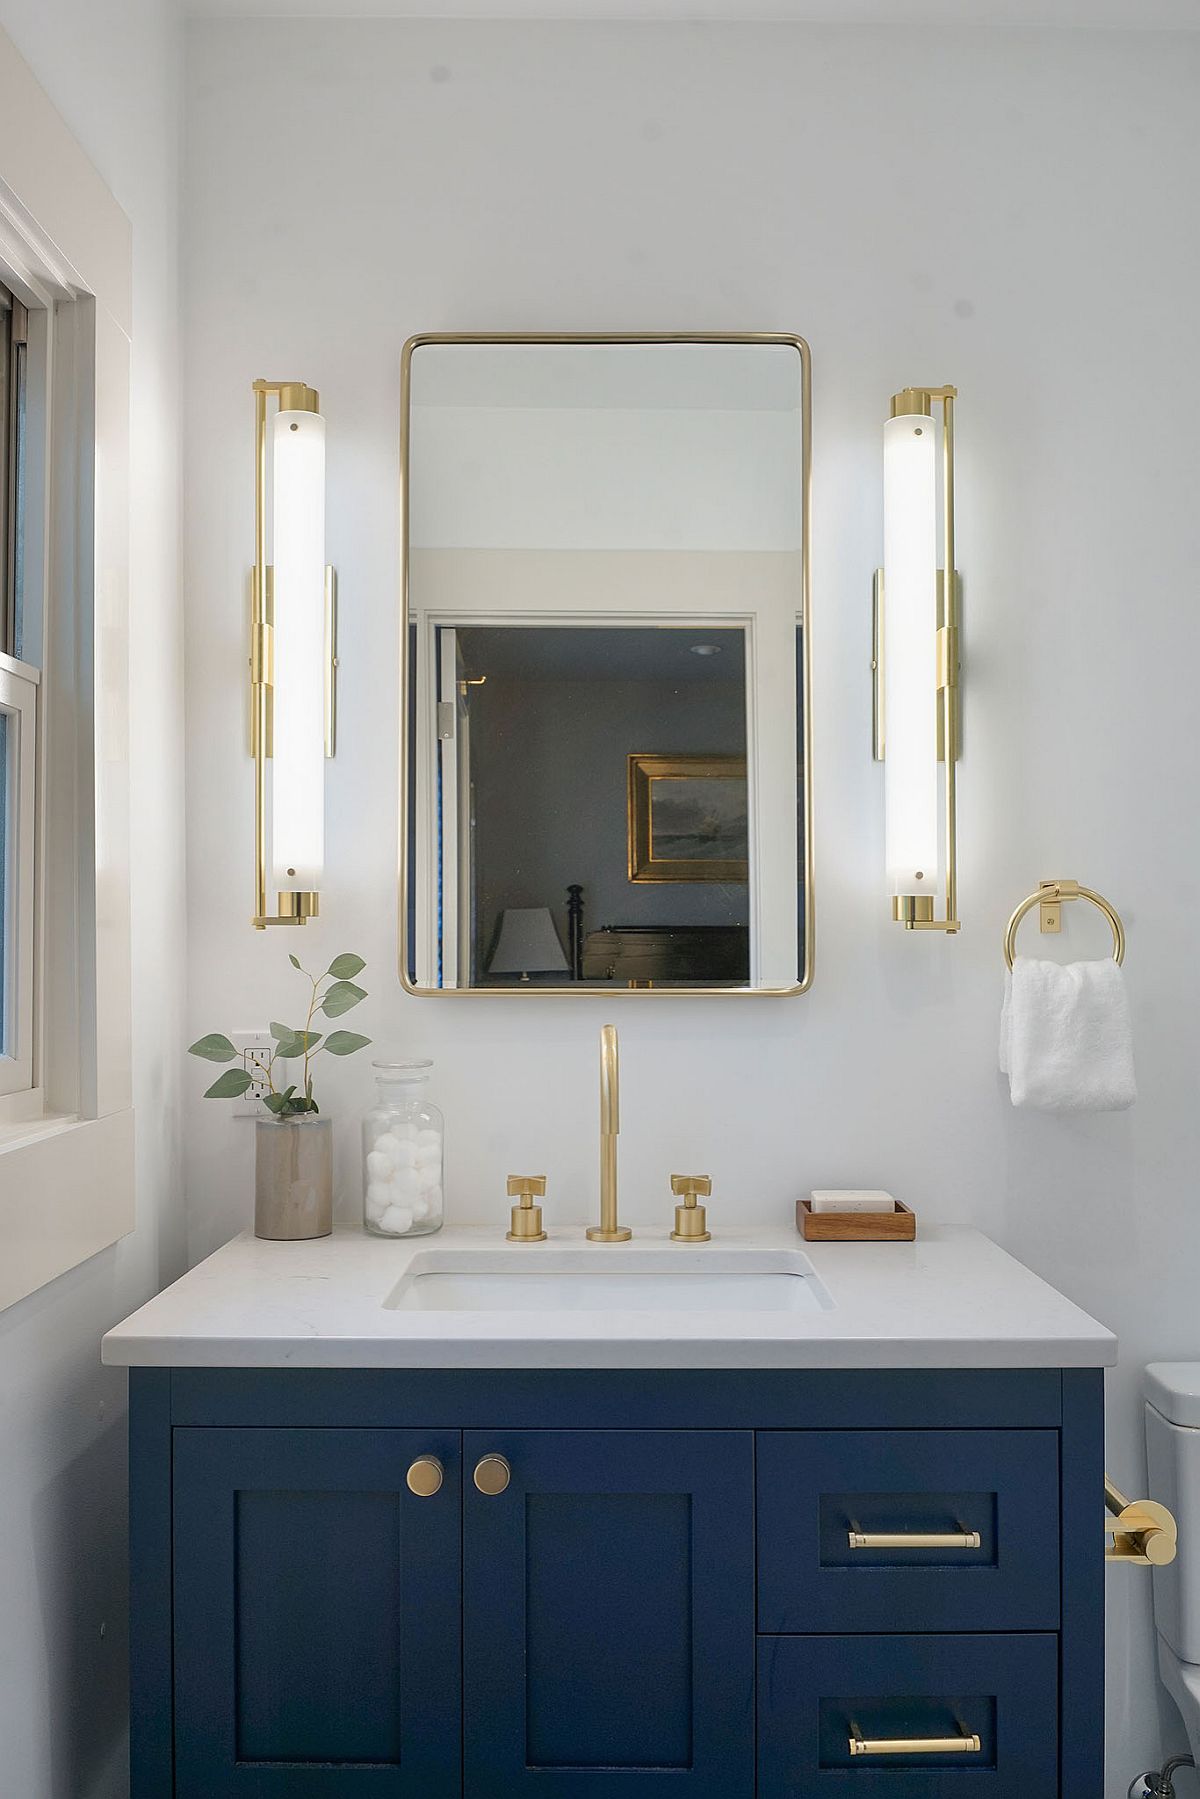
(414,1070)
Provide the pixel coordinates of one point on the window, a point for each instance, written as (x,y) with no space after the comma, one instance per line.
(18,712)
(66,1119)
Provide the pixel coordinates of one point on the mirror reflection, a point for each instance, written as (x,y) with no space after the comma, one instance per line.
(605,678)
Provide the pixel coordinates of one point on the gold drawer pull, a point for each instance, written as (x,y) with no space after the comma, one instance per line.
(914,1539)
(915,1745)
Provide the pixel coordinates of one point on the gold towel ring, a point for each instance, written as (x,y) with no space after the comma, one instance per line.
(1051,893)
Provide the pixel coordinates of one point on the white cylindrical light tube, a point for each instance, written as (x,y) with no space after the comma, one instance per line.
(910,551)
(298,553)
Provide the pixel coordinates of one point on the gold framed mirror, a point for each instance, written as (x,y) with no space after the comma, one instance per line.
(605,664)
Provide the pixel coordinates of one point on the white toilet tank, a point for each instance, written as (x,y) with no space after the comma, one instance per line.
(1173,1460)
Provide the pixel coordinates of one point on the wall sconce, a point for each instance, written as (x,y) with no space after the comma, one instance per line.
(915,658)
(293,653)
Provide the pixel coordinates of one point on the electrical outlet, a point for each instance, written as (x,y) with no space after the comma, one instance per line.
(255,1049)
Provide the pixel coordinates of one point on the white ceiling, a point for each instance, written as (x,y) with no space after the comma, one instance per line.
(1143,14)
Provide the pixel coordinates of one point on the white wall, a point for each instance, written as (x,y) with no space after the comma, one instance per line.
(1010,212)
(113,69)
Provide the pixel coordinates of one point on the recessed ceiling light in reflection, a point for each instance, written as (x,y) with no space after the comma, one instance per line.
(705,649)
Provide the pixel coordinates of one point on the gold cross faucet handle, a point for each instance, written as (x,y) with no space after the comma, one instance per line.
(691,1220)
(526,1217)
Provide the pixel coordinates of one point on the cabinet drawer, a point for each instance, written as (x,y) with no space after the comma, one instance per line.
(857,1530)
(908,1717)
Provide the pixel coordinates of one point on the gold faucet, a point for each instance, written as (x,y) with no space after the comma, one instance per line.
(608,1230)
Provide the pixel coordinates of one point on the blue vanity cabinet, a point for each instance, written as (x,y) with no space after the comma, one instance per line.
(657,1596)
(857,1529)
(316,1615)
(608,1615)
(909,1717)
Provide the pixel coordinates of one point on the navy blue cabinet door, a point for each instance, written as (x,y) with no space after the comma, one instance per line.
(317,1616)
(609,1615)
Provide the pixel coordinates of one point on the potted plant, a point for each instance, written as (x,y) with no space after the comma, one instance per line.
(293,1144)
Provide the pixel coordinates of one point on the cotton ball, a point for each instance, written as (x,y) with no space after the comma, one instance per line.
(388,1143)
(434,1200)
(404,1154)
(430,1139)
(396,1220)
(378,1200)
(379,1164)
(404,1185)
(420,1208)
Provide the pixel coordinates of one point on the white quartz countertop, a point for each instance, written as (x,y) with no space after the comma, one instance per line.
(952,1299)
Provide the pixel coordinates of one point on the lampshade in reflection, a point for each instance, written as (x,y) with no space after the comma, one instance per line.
(527,943)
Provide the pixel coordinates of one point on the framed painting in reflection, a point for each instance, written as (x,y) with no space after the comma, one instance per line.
(688,818)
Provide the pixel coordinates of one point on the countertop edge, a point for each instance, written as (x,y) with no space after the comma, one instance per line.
(946,1353)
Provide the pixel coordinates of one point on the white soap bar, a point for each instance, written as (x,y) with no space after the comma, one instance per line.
(830,1199)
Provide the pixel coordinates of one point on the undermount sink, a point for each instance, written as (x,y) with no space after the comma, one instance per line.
(608,1278)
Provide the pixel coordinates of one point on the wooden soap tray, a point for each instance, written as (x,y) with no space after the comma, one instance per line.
(899,1226)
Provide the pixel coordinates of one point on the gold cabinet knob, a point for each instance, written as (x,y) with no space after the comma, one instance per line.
(425,1476)
(691,1220)
(526,1224)
(492,1475)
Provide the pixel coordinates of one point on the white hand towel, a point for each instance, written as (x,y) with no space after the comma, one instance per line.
(1066,1043)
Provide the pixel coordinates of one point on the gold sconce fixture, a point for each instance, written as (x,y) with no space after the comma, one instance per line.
(293,652)
(916,657)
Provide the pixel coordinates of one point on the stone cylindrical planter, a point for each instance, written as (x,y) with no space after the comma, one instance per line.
(293,1177)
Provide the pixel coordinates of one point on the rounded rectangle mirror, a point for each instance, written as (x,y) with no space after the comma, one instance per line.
(605,770)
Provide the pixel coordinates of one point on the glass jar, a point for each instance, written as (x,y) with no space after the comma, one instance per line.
(403,1139)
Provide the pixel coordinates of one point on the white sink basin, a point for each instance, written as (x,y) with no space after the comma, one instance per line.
(608,1278)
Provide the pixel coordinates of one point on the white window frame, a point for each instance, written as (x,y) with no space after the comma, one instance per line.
(66,1139)
(18,702)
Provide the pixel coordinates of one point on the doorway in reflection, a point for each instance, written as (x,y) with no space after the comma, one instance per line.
(593,805)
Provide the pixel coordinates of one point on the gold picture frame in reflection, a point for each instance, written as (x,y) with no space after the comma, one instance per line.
(688,818)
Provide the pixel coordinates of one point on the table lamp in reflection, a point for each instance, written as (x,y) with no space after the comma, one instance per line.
(527,943)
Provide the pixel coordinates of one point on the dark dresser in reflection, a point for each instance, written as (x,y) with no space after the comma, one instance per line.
(701,955)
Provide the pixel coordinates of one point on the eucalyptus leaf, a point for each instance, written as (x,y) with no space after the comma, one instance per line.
(340,998)
(230,1085)
(344,968)
(214,1048)
(275,1102)
(295,962)
(344,1043)
(290,1044)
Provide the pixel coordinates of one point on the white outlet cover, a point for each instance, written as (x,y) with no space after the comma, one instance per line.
(245,1042)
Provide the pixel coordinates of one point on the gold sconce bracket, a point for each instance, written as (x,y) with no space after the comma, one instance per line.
(262,661)
(1144,1533)
(293,396)
(948,652)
